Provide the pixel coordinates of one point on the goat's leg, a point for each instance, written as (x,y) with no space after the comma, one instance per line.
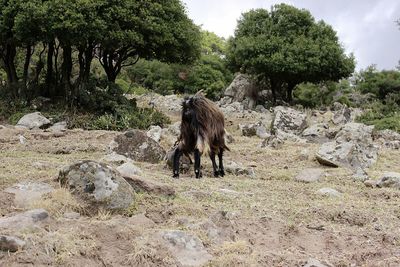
(197,170)
(214,164)
(221,164)
(177,157)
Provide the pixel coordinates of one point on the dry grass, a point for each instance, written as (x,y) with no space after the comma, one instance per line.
(271,221)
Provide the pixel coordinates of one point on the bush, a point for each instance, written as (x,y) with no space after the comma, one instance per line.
(99,109)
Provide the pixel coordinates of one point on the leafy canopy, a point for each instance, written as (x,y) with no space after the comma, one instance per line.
(287,46)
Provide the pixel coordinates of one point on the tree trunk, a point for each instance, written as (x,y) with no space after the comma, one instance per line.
(11,71)
(66,70)
(28,57)
(289,92)
(49,87)
(274,88)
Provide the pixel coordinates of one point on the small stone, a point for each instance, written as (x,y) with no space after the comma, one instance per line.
(25,193)
(128,169)
(23,220)
(370,183)
(11,243)
(115,158)
(316,263)
(389,179)
(304,154)
(59,127)
(72,215)
(330,192)
(188,249)
(309,175)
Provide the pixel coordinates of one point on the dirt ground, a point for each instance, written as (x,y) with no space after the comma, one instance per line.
(266,220)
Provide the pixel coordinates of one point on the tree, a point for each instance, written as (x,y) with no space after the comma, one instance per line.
(212,44)
(286,46)
(158,29)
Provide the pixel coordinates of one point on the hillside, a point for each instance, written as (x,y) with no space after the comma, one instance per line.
(259,214)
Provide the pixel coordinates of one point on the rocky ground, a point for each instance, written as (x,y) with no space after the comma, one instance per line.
(303,188)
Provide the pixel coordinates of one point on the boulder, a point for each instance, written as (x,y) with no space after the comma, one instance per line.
(309,175)
(29,219)
(34,121)
(342,114)
(289,120)
(389,179)
(11,243)
(135,144)
(352,148)
(280,137)
(242,87)
(387,138)
(187,249)
(97,185)
(155,133)
(26,193)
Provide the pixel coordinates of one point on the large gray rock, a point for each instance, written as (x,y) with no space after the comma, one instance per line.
(28,219)
(97,185)
(280,137)
(138,146)
(26,193)
(289,120)
(242,88)
(352,148)
(34,121)
(389,179)
(342,114)
(317,133)
(155,133)
(11,243)
(187,249)
(387,138)
(254,129)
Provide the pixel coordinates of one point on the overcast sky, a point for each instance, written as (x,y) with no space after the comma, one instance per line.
(365,27)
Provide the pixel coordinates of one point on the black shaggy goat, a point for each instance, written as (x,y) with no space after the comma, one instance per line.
(202,132)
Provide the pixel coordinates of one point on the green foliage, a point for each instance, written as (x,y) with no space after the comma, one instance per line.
(379,83)
(287,46)
(323,94)
(212,44)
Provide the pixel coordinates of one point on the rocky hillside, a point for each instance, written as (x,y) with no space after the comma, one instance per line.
(303,188)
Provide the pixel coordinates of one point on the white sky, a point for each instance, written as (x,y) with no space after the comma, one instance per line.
(366,28)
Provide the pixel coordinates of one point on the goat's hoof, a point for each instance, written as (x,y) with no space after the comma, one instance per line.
(222,173)
(198,175)
(216,174)
(175,175)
